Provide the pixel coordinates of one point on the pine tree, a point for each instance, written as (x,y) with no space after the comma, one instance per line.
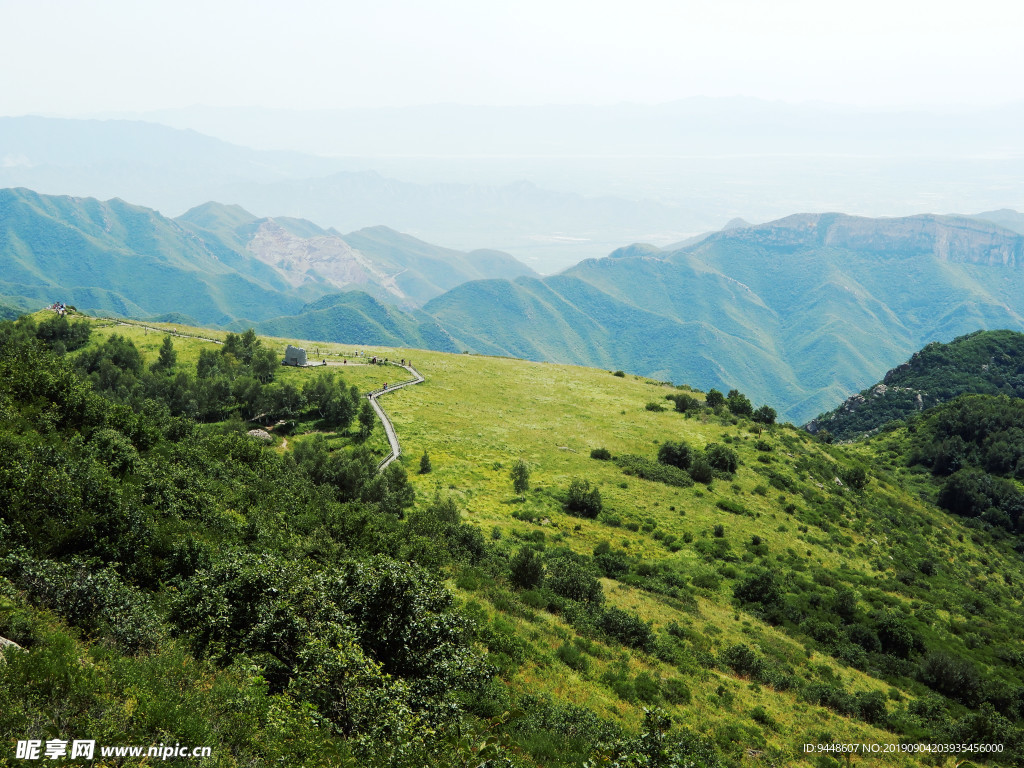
(366,419)
(167,358)
(520,475)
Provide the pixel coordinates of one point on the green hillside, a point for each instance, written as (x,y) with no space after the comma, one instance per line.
(983,362)
(215,264)
(566,318)
(171,577)
(361,319)
(424,271)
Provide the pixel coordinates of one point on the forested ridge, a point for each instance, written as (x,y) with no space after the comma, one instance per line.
(983,362)
(171,577)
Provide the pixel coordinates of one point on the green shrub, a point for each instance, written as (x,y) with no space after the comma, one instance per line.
(706,579)
(582,500)
(714,398)
(627,628)
(97,601)
(114,450)
(742,660)
(647,688)
(536,598)
(721,458)
(701,470)
(646,469)
(675,454)
(612,563)
(676,691)
(572,657)
(526,570)
(685,403)
(569,577)
(738,403)
(602,454)
(854,477)
(760,715)
(760,588)
(732,506)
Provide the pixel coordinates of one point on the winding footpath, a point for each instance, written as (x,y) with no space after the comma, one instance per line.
(389,428)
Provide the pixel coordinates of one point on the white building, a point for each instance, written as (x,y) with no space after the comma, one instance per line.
(294,356)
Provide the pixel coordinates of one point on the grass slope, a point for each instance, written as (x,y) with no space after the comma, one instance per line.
(785,509)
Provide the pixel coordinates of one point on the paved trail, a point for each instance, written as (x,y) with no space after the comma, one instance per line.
(389,428)
(164,330)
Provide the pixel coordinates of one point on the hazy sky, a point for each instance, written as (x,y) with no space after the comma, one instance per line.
(75,58)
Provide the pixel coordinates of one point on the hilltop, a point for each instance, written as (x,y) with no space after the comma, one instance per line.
(983,362)
(762,589)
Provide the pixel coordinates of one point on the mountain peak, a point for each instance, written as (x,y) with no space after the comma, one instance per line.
(736,223)
(635,251)
(212,214)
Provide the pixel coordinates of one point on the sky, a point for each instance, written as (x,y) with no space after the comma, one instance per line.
(70,58)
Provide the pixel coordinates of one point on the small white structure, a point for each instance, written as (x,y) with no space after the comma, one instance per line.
(294,355)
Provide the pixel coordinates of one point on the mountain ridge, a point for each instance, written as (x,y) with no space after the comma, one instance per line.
(808,290)
(799,313)
(983,362)
(114,256)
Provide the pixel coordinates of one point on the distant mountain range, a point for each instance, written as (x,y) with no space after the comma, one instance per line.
(798,313)
(215,264)
(556,186)
(695,126)
(173,170)
(389,265)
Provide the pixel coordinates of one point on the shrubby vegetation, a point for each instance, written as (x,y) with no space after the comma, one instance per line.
(298,586)
(977,443)
(147,554)
(583,500)
(983,362)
